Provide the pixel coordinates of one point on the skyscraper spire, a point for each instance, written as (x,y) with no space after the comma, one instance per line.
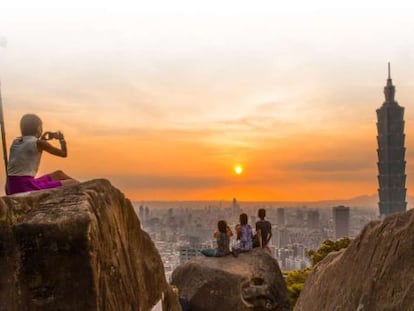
(389,71)
(389,89)
(391,153)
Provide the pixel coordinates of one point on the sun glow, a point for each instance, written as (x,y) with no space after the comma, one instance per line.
(238,169)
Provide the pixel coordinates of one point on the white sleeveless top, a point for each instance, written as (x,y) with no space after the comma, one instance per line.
(24,157)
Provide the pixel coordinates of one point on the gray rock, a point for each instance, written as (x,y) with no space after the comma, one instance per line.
(252,281)
(375,272)
(77,248)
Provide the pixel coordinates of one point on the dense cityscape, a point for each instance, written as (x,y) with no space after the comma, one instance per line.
(179,232)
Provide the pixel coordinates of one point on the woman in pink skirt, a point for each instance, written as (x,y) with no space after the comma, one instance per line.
(25,154)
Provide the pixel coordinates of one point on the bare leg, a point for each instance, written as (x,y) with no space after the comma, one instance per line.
(60,175)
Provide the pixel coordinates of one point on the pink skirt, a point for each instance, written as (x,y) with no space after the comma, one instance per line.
(16,184)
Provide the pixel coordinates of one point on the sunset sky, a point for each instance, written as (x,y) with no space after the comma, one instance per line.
(164,98)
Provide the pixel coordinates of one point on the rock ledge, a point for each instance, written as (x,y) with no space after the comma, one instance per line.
(76,248)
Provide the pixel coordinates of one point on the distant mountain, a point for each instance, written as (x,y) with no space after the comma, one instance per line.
(371,201)
(364,201)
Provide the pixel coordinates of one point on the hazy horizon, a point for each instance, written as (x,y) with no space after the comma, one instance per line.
(164,98)
(365,202)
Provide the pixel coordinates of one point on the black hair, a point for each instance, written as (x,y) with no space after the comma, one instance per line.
(261,213)
(29,124)
(243,219)
(222,226)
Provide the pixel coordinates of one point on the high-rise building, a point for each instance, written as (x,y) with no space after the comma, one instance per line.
(192,250)
(281,237)
(341,220)
(281,216)
(235,209)
(391,153)
(299,219)
(189,252)
(313,219)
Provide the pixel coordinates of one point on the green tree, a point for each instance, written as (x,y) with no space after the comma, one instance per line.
(295,280)
(327,247)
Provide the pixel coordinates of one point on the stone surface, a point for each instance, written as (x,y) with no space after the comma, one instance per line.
(375,272)
(252,281)
(77,248)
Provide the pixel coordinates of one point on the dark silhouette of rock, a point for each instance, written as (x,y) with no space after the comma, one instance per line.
(375,272)
(77,248)
(252,281)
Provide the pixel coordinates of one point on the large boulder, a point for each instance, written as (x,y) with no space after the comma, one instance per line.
(252,281)
(77,248)
(375,272)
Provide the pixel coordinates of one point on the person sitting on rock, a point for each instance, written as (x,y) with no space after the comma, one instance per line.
(263,230)
(222,235)
(244,236)
(25,154)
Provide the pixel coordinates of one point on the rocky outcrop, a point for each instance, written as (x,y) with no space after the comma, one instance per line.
(375,272)
(77,248)
(252,281)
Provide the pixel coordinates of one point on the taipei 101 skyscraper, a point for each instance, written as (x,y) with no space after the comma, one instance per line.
(391,153)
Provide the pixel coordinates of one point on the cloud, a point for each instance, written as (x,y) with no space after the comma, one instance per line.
(146,182)
(329,165)
(340,177)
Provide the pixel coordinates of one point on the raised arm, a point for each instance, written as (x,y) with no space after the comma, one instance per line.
(43,145)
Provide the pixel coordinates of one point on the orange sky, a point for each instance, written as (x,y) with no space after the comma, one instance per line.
(188,166)
(164,102)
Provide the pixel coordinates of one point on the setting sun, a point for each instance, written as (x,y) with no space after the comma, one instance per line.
(238,169)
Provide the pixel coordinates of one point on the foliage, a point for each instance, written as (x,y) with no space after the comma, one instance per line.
(327,247)
(295,280)
(296,276)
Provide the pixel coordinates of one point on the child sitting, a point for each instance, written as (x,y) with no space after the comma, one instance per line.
(244,236)
(25,154)
(222,235)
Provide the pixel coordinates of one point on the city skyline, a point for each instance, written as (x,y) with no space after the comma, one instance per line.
(165,99)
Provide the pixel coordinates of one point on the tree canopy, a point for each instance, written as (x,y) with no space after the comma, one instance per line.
(327,247)
(295,280)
